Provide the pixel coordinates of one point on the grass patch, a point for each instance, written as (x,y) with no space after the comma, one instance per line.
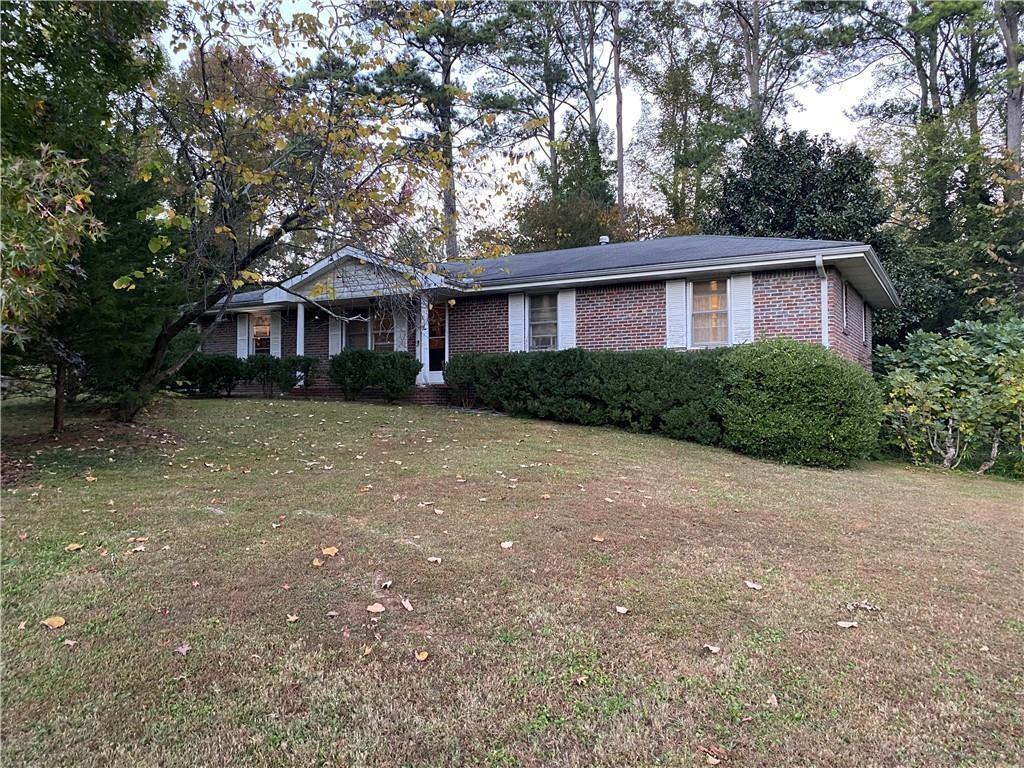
(529,663)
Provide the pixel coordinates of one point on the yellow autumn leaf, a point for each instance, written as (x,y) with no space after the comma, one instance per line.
(317,562)
(73,547)
(329,551)
(422,655)
(54,622)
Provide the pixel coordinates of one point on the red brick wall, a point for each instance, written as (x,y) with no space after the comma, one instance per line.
(478,324)
(621,316)
(846,336)
(788,303)
(221,340)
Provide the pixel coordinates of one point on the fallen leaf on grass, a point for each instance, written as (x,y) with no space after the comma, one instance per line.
(183,649)
(434,560)
(506,544)
(22,625)
(598,539)
(375,608)
(545,496)
(846,624)
(70,643)
(367,650)
(329,551)
(22,536)
(386,584)
(713,754)
(422,655)
(610,501)
(332,614)
(621,609)
(712,649)
(292,618)
(54,622)
(406,603)
(752,584)
(73,547)
(317,562)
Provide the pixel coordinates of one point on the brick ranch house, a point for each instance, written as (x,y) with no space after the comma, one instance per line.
(682,293)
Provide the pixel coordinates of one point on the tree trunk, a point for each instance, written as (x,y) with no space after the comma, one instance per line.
(60,395)
(993,454)
(1009,15)
(445,120)
(620,181)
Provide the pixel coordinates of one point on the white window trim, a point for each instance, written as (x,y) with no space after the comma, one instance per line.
(529,322)
(689,313)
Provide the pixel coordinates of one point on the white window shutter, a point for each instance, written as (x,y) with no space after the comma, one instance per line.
(676,314)
(741,309)
(567,318)
(275,334)
(401,325)
(517,322)
(333,336)
(242,335)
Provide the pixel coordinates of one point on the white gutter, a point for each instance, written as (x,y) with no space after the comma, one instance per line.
(820,266)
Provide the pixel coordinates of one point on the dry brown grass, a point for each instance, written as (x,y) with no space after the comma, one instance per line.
(530,664)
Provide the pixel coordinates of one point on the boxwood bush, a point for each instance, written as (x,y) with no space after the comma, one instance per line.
(213,374)
(781,399)
(395,373)
(350,371)
(799,404)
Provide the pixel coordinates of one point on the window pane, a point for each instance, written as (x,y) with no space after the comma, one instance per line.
(261,334)
(357,329)
(709,296)
(543,322)
(709,326)
(383,332)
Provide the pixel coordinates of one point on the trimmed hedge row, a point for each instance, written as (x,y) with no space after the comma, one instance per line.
(352,371)
(780,399)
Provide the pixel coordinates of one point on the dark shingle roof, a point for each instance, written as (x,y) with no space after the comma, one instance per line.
(247,297)
(613,257)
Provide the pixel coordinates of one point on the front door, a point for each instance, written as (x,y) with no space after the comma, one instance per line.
(437,342)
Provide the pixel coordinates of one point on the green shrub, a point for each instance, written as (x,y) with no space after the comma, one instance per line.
(783,400)
(213,374)
(296,369)
(460,376)
(798,403)
(264,370)
(350,371)
(959,399)
(395,373)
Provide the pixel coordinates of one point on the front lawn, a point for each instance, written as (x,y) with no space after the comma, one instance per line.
(201,631)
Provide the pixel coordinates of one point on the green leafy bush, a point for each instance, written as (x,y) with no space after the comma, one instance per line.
(350,371)
(794,402)
(959,398)
(395,373)
(264,370)
(460,376)
(296,370)
(213,374)
(798,403)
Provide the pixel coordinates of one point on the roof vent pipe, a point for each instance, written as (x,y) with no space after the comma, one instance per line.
(604,240)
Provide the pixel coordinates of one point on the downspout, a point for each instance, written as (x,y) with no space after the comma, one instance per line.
(819,265)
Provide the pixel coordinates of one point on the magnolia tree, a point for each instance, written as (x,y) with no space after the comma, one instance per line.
(273,147)
(957,397)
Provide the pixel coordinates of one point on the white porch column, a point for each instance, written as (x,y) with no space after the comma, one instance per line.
(300,328)
(423,345)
